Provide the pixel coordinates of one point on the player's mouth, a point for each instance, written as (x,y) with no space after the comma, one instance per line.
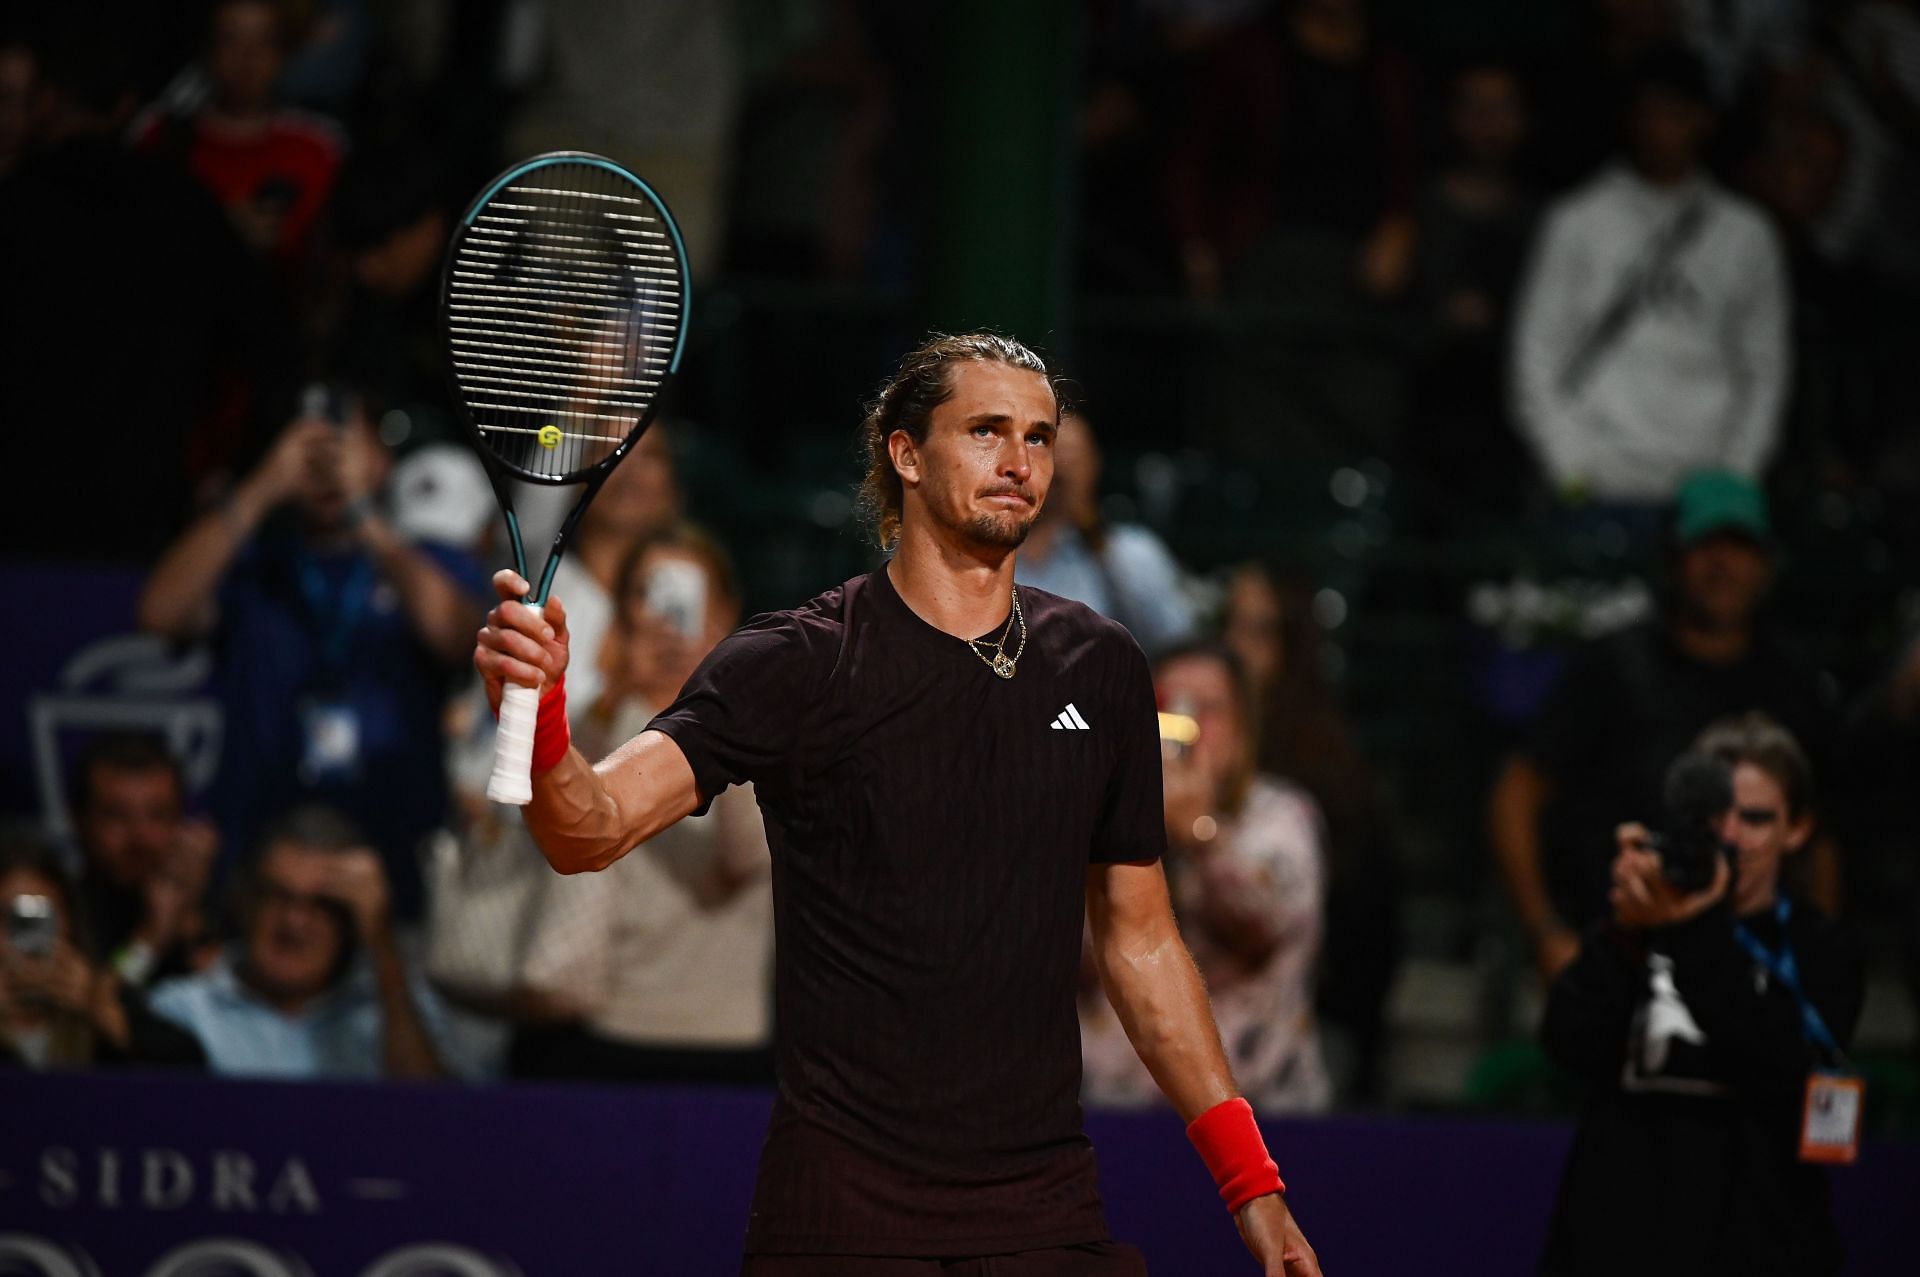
(1010,497)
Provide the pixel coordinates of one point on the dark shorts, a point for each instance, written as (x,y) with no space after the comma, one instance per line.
(1091,1259)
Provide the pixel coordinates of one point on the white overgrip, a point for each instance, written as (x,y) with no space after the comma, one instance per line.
(512,779)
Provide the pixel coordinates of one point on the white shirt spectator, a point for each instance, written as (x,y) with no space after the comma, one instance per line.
(338,1035)
(672,944)
(1268,864)
(1696,380)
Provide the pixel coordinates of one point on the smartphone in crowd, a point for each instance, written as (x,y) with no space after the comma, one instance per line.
(31,926)
(677,593)
(1178,730)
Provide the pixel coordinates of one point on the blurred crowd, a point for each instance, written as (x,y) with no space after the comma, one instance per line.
(1647,265)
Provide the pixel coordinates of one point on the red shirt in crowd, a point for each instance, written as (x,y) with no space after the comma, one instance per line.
(279,169)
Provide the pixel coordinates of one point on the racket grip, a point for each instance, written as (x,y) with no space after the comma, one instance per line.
(512,779)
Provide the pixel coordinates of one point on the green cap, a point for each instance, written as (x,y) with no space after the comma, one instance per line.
(1711,501)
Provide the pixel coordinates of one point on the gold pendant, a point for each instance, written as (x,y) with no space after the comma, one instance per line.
(1003,665)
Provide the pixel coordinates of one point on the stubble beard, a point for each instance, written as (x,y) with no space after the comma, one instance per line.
(1002,531)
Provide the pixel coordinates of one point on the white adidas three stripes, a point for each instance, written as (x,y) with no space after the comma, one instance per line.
(1070,720)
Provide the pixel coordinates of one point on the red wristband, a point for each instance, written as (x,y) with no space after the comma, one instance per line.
(551,739)
(1229,1142)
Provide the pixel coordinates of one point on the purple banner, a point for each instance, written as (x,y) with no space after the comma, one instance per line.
(159,1177)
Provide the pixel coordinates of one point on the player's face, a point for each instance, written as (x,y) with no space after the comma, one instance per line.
(986,465)
(1762,833)
(131,818)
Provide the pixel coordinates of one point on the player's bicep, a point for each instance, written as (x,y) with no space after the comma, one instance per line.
(651,783)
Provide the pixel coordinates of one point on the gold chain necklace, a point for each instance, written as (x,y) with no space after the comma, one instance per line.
(1000,663)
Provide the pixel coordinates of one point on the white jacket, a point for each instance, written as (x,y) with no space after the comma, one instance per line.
(1697,380)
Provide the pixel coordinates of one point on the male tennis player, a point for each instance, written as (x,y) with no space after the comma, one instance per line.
(948,767)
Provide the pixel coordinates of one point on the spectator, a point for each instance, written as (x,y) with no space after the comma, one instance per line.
(336,640)
(94,240)
(315,985)
(1475,222)
(1744,44)
(270,167)
(144,864)
(1303,125)
(673,124)
(804,196)
(1304,735)
(1581,92)
(58,1009)
(659,967)
(391,223)
(1869,81)
(1687,1015)
(1122,571)
(1246,867)
(1630,702)
(1651,337)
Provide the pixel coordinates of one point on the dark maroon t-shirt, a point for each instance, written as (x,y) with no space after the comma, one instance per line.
(931,828)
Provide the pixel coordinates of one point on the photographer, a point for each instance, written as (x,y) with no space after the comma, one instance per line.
(316,984)
(1698,1012)
(58,1009)
(336,639)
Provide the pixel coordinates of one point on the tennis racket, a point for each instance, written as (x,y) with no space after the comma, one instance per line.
(564,305)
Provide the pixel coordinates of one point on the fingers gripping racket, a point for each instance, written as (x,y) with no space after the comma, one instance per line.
(564,305)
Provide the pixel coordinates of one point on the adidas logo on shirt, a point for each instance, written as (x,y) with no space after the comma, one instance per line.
(1070,720)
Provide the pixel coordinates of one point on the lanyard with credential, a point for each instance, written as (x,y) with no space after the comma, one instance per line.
(1786,969)
(337,617)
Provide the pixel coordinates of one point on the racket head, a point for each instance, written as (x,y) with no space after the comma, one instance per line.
(564,304)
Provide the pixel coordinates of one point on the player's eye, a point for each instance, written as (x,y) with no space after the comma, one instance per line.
(982,431)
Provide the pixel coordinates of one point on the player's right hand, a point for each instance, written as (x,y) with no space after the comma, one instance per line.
(1273,1235)
(518,644)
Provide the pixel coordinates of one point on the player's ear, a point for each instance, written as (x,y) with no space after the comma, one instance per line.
(905,457)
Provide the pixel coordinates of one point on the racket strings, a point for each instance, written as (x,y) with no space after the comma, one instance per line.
(564,304)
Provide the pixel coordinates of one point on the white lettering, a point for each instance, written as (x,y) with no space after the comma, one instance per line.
(166,1179)
(109,1177)
(233,1181)
(59,1177)
(294,1189)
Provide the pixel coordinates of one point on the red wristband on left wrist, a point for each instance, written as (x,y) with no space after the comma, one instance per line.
(1229,1142)
(551,738)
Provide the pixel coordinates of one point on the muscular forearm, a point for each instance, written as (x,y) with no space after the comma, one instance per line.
(584,818)
(178,598)
(441,615)
(1162,1003)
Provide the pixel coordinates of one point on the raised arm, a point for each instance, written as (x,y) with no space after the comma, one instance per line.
(178,599)
(583,817)
(1157,992)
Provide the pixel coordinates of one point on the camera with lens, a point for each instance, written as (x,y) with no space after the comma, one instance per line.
(1699,791)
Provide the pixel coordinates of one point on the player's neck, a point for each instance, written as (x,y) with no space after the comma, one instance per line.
(961,592)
